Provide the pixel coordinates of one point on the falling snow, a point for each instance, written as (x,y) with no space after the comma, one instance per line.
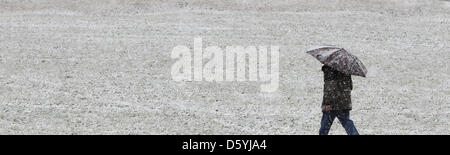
(101,67)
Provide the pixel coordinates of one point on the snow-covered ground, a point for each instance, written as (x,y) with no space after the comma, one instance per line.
(103,67)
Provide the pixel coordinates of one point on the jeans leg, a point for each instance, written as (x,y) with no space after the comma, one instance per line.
(326,122)
(344,118)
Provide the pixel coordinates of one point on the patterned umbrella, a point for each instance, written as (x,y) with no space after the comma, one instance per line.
(339,59)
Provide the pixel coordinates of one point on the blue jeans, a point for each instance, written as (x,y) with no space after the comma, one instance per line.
(343,116)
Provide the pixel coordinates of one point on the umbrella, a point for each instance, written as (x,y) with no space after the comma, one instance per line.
(339,59)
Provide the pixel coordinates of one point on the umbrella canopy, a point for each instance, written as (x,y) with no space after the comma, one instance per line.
(339,59)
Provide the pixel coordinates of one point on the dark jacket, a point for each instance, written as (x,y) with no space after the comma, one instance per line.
(337,89)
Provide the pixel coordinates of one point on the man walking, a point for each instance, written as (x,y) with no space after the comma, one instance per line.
(336,101)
